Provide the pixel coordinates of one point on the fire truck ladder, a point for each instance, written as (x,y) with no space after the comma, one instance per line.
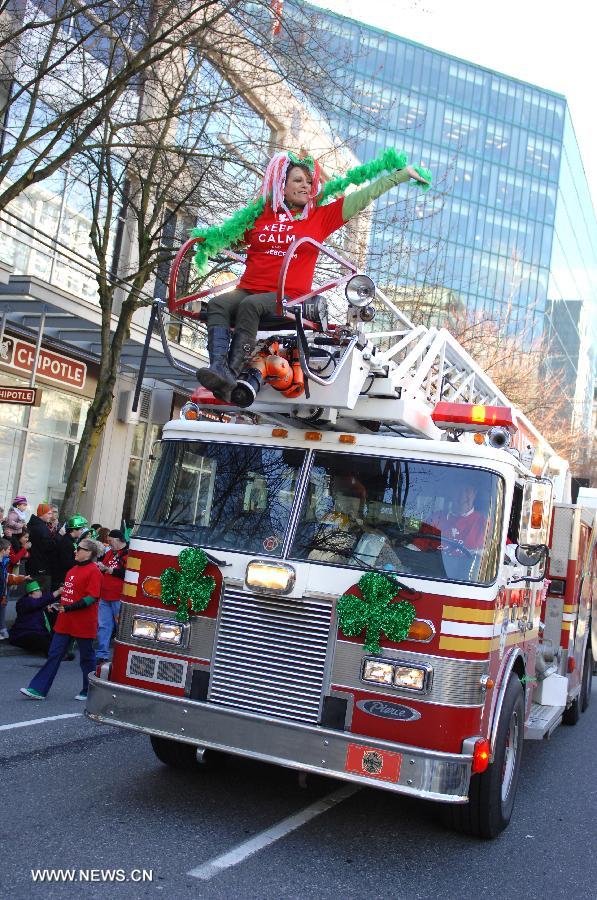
(391,378)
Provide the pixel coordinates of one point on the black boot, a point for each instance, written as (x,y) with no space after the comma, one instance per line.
(242,346)
(241,351)
(217,378)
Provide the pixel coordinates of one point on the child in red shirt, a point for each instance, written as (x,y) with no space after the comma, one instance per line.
(77,619)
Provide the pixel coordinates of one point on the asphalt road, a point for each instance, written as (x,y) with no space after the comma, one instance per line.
(79,796)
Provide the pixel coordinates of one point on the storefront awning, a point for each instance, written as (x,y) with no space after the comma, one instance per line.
(73,326)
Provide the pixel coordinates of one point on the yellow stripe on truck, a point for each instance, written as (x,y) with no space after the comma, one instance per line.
(133,562)
(468,645)
(129,590)
(462,614)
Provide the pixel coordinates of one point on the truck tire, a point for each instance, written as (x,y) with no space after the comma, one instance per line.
(492,793)
(587,678)
(174,753)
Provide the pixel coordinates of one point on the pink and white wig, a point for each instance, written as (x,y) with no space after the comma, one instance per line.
(274,181)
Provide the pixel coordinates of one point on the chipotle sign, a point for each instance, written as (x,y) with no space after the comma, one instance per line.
(62,369)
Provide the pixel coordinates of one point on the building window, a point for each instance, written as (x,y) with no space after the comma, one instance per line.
(38,445)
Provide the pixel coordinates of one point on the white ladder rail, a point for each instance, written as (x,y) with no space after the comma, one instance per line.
(435,353)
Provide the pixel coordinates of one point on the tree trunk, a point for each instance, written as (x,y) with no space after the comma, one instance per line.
(97,415)
(101,405)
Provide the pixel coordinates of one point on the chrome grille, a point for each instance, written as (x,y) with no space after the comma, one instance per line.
(141,666)
(153,668)
(270,655)
(169,672)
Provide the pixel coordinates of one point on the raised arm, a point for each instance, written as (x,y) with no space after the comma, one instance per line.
(356,202)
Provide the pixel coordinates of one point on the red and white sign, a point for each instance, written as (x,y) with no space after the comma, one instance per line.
(20,396)
(53,366)
(373,762)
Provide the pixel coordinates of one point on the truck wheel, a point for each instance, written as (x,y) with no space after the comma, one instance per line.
(174,753)
(587,678)
(492,793)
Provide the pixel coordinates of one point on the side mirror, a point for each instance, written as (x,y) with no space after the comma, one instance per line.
(529,557)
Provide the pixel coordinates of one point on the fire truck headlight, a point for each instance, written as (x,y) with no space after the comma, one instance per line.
(410,677)
(265,576)
(144,628)
(377,671)
(169,633)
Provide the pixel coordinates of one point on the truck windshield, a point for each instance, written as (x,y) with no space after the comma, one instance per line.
(429,520)
(223,495)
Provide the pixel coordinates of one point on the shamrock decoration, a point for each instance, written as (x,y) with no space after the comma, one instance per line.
(188,588)
(375,611)
(305,161)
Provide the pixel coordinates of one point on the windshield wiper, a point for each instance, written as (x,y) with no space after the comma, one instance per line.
(213,559)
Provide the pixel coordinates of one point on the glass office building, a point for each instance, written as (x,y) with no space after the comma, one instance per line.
(509,230)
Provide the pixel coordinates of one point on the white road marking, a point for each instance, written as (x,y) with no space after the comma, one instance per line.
(218,864)
(39,721)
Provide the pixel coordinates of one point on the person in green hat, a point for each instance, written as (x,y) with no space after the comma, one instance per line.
(32,628)
(66,545)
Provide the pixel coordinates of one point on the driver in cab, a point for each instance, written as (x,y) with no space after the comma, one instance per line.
(463,524)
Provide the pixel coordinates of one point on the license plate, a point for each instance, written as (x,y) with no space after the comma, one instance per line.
(373,762)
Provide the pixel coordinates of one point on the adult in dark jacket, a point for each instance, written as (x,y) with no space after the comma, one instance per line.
(66,544)
(32,628)
(43,546)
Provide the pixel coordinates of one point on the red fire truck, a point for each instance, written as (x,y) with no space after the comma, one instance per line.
(378,576)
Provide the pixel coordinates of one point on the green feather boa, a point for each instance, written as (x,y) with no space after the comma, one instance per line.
(219,237)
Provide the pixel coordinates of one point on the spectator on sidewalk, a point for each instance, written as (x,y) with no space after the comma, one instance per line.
(17,515)
(54,522)
(43,546)
(19,550)
(102,536)
(7,531)
(6,579)
(36,614)
(112,567)
(77,618)
(66,544)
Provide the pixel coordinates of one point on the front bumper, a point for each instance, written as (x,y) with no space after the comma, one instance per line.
(421,773)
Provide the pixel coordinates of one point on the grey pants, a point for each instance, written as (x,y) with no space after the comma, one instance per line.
(242,309)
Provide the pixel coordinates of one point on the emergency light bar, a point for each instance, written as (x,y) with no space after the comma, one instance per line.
(472,417)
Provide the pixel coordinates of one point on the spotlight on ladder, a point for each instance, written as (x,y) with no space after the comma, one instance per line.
(360,291)
(499,438)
